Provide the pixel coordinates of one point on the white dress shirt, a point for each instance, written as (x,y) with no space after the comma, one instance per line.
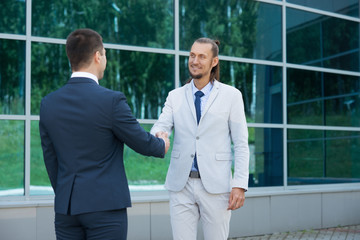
(86,75)
(206,91)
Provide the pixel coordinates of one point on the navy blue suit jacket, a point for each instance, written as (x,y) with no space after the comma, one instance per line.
(83,128)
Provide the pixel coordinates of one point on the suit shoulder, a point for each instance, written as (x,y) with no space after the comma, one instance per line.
(107,93)
(179,90)
(229,89)
(182,88)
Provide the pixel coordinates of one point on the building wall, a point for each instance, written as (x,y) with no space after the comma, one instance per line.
(262,214)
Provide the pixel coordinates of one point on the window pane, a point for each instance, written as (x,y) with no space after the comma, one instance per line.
(323,41)
(142,171)
(346,7)
(12,14)
(12,77)
(39,180)
(50,70)
(141,23)
(318,157)
(11,157)
(144,78)
(266,157)
(260,85)
(344,146)
(245,28)
(318,98)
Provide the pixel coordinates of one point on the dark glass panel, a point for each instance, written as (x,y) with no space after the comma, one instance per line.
(266,157)
(11,157)
(143,171)
(12,18)
(141,23)
(305,155)
(346,7)
(319,157)
(12,77)
(342,155)
(50,70)
(318,98)
(144,78)
(39,180)
(260,85)
(322,41)
(245,28)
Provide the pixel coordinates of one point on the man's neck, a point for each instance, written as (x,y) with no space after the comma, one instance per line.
(89,70)
(201,83)
(85,74)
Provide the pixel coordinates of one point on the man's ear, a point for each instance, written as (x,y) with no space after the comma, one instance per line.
(215,61)
(97,57)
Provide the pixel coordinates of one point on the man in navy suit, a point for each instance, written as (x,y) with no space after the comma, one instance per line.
(83,129)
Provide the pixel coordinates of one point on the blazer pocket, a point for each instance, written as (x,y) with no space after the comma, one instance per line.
(224,156)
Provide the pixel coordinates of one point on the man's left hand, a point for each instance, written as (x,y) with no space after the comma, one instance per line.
(237,198)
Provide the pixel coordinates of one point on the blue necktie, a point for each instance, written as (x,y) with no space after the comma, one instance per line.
(198,95)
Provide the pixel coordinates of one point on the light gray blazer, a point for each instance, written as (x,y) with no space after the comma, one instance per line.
(222,122)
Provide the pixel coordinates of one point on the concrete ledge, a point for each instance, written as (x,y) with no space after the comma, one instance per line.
(159,194)
(265,211)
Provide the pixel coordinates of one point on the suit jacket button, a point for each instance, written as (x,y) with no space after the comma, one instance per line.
(197,138)
(192,156)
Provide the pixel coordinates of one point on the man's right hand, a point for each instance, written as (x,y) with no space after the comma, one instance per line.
(164,136)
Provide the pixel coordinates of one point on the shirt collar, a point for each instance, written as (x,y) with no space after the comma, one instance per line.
(86,75)
(206,90)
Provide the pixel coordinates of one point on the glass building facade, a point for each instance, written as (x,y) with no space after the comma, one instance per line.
(296,63)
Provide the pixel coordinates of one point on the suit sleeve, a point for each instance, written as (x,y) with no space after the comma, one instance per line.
(239,136)
(128,130)
(165,123)
(50,158)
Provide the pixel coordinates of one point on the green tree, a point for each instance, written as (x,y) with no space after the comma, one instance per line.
(12,18)
(12,77)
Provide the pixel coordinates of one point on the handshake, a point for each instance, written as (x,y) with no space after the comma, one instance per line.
(164,136)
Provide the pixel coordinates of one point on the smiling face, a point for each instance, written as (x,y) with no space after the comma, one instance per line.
(201,61)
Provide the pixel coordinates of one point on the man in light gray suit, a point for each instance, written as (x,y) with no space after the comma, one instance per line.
(207,116)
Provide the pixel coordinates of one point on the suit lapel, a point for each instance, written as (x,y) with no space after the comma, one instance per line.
(213,94)
(190,100)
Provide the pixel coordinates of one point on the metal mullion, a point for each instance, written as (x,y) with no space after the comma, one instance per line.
(12,117)
(321,127)
(177,43)
(138,49)
(321,69)
(251,60)
(321,12)
(107,45)
(273,2)
(284,70)
(27,100)
(265,125)
(12,36)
